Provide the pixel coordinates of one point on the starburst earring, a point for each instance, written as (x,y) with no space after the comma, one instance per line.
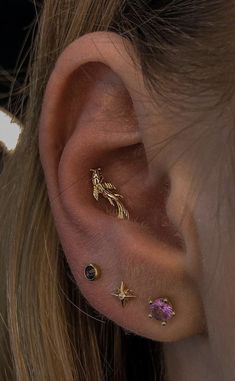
(123,294)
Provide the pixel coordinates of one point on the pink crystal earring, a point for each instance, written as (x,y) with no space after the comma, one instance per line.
(161,309)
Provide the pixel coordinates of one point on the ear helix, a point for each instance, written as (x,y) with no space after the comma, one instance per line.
(161,309)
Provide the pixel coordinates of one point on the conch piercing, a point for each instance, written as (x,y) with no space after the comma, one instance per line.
(161,309)
(92,272)
(123,294)
(105,189)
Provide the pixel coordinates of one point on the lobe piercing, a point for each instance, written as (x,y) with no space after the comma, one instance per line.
(161,309)
(105,189)
(123,293)
(92,272)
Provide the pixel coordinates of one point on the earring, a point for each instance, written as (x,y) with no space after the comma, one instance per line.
(92,272)
(123,293)
(105,189)
(161,309)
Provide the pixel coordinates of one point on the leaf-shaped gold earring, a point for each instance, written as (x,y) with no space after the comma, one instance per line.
(106,190)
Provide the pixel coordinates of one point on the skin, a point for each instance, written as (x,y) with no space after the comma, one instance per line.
(106,118)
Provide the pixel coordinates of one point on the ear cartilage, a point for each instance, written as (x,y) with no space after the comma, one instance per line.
(107,191)
(92,272)
(161,309)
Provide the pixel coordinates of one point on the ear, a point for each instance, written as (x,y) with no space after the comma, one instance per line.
(96,114)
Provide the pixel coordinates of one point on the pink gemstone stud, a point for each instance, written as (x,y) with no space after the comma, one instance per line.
(161,309)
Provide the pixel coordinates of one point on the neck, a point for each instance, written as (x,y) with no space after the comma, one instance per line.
(192,360)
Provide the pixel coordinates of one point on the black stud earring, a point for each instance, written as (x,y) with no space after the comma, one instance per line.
(92,272)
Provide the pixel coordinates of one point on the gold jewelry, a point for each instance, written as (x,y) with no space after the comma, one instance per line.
(161,309)
(123,293)
(105,189)
(92,272)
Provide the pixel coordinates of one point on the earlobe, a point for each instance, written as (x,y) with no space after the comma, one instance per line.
(111,218)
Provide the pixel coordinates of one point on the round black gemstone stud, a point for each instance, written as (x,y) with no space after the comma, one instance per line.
(92,272)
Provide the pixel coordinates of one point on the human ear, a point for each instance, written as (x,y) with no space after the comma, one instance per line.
(95,115)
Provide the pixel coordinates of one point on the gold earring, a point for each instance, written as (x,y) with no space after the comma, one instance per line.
(105,189)
(123,294)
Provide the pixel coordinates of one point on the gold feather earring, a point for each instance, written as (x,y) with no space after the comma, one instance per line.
(106,190)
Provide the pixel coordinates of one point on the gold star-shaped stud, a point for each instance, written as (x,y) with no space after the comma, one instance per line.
(123,293)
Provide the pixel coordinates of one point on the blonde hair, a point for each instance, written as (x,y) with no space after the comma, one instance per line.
(48,331)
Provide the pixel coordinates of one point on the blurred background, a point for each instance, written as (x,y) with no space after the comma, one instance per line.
(16,31)
(16,18)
